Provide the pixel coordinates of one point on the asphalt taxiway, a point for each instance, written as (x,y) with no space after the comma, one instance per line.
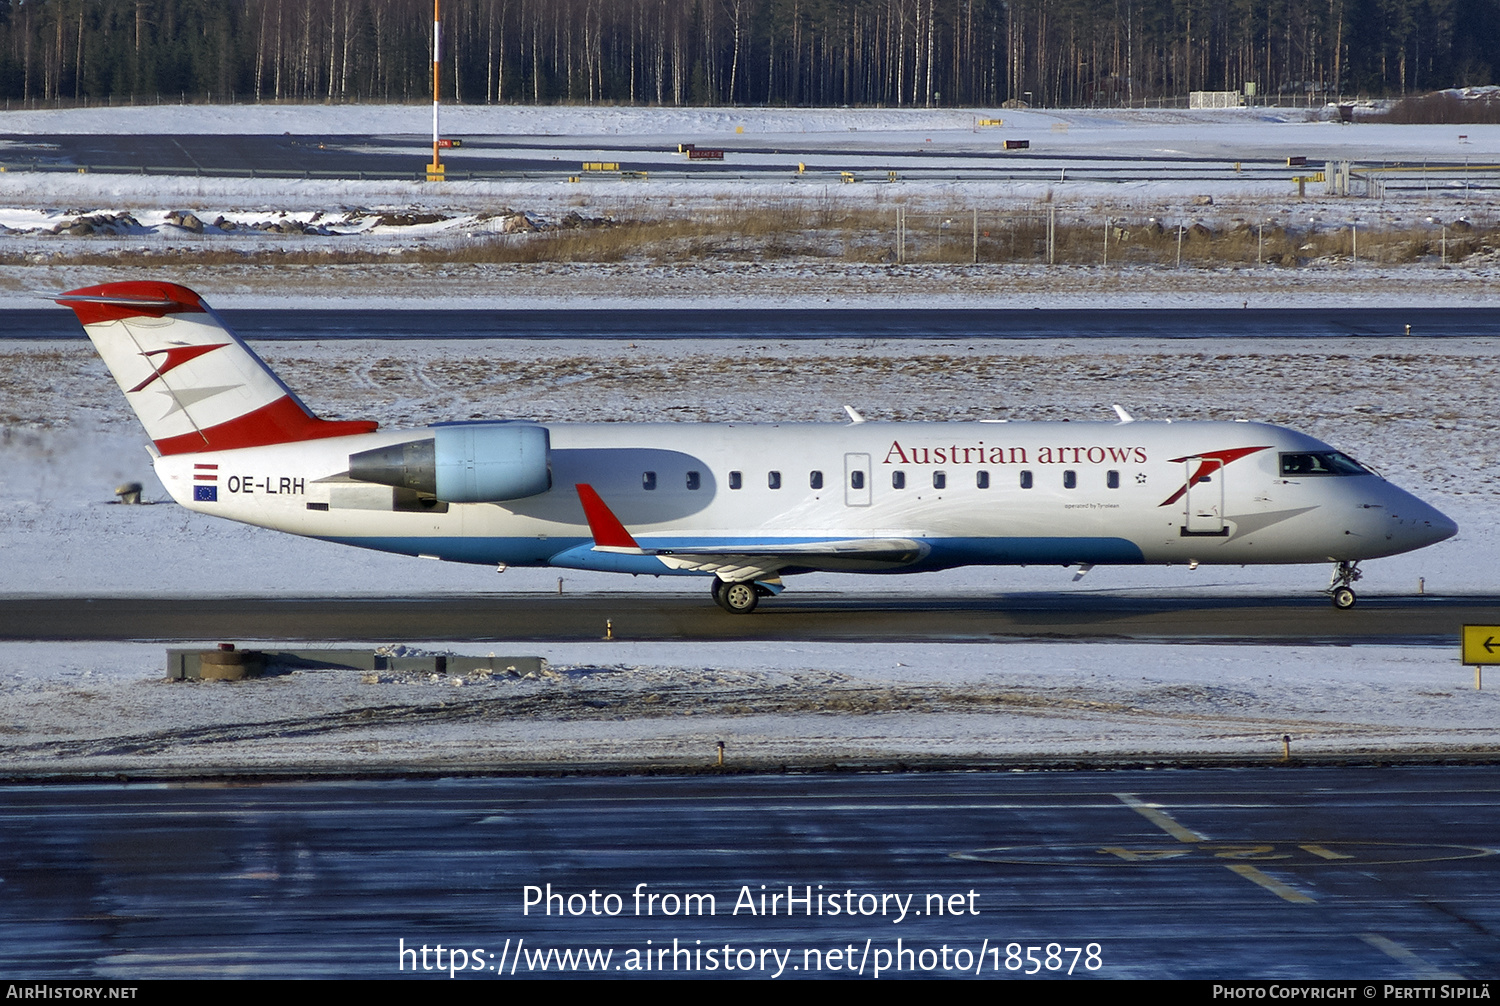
(1424,620)
(859,324)
(1371,875)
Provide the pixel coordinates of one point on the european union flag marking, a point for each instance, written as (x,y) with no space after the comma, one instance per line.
(205,494)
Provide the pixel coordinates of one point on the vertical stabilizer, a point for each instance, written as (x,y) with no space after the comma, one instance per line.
(193,383)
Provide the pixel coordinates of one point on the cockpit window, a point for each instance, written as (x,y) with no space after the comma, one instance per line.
(1321,463)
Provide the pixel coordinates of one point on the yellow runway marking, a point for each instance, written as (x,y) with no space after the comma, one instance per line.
(1320,851)
(1397,952)
(1271,884)
(1167,823)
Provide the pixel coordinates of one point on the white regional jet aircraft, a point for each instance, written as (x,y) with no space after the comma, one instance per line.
(741,503)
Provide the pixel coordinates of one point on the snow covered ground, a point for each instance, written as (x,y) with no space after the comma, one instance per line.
(104,708)
(1420,411)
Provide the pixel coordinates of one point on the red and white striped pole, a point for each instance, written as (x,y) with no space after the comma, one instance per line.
(435,169)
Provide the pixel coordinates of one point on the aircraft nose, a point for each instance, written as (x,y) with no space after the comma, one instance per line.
(1441,527)
(1423,525)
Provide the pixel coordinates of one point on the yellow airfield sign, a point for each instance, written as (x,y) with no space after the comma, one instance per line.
(1481,644)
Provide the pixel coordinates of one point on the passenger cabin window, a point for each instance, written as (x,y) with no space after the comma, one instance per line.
(1112,480)
(1321,463)
(735,481)
(773,480)
(1070,480)
(694,480)
(815,480)
(1025,480)
(939,480)
(898,480)
(648,480)
(982,480)
(856,480)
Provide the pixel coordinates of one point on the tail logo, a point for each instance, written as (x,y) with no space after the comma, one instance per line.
(1209,462)
(176,356)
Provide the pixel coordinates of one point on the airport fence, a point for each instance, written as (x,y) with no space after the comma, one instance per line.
(1052,235)
(1040,235)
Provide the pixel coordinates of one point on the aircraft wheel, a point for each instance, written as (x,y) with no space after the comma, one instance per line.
(1343,598)
(737,598)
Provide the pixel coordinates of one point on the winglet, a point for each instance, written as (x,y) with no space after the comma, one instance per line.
(606,528)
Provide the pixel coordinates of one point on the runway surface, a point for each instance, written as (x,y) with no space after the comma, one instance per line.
(1368,875)
(406,154)
(1426,620)
(832,323)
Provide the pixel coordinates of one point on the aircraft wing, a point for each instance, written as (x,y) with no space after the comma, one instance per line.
(750,561)
(754,562)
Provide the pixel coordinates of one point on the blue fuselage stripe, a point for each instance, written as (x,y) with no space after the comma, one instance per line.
(944,553)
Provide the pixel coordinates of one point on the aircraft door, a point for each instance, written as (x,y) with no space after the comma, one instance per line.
(1204,498)
(857,479)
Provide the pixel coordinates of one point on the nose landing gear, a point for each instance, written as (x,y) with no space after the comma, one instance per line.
(1344,574)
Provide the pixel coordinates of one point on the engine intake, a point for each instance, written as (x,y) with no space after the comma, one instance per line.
(464,462)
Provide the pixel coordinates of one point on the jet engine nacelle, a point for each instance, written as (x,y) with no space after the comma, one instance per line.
(464,462)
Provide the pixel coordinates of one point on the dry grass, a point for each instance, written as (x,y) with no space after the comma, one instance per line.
(1439,107)
(830,229)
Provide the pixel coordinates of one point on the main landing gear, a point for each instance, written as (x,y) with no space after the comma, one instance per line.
(737,598)
(1344,574)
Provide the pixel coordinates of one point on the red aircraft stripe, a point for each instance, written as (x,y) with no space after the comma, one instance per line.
(603,524)
(281,422)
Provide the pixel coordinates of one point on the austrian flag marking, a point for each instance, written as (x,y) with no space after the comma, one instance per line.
(209,492)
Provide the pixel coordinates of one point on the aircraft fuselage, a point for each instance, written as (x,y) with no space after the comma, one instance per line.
(990,493)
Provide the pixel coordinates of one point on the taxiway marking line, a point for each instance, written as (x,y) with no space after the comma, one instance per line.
(1167,823)
(1396,951)
(1270,883)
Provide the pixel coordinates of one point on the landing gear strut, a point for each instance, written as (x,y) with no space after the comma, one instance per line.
(1344,574)
(738,598)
